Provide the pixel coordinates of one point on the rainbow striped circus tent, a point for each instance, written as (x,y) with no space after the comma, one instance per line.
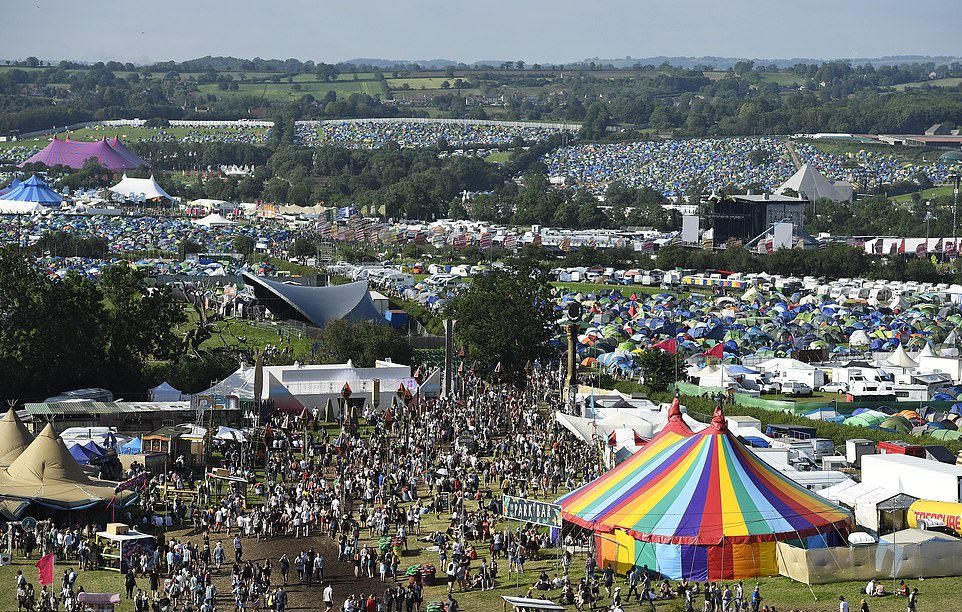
(111,154)
(700,506)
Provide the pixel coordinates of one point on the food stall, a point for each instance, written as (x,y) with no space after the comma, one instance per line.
(122,547)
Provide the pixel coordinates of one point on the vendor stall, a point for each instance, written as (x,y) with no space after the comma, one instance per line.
(122,547)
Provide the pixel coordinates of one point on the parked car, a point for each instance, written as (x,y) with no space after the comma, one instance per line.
(796,389)
(834,387)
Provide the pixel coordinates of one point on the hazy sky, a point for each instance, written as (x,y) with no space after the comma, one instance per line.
(534,30)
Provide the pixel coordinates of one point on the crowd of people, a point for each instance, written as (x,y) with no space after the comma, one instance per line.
(414,135)
(352,497)
(672,167)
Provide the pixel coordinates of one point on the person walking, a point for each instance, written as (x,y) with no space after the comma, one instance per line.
(756,598)
(130,583)
(913,601)
(328,597)
(842,604)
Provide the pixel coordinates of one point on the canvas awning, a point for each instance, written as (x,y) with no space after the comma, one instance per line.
(527,603)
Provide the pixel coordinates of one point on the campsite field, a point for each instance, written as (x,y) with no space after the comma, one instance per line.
(133,134)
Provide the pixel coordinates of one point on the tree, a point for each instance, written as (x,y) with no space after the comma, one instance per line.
(243,244)
(506,316)
(363,343)
(658,368)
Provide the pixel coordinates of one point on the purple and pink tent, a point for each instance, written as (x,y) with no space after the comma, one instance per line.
(112,155)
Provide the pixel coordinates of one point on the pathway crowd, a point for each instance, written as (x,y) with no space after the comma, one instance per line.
(424,474)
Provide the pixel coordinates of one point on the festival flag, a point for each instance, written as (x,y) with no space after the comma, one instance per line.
(877,247)
(485,241)
(922,250)
(565,245)
(901,247)
(950,248)
(669,346)
(536,241)
(45,569)
(510,241)
(770,246)
(717,351)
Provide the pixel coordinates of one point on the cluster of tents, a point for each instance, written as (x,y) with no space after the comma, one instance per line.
(616,328)
(42,471)
(924,421)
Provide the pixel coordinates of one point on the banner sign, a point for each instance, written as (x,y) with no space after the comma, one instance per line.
(531,511)
(133,483)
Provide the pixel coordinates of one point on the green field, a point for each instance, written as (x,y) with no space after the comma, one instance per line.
(418,83)
(498,157)
(284,91)
(785,79)
(935,192)
(949,82)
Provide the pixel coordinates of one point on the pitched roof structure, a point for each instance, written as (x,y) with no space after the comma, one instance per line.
(315,305)
(811,183)
(74,153)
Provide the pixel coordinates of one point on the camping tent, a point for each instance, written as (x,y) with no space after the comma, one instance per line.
(134,188)
(47,474)
(700,506)
(165,392)
(14,437)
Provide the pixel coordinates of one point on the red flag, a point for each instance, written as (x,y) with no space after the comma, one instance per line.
(901,246)
(670,345)
(45,569)
(716,351)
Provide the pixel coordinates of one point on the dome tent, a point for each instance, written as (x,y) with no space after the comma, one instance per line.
(702,507)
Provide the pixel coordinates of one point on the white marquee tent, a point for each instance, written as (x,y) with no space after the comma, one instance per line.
(140,188)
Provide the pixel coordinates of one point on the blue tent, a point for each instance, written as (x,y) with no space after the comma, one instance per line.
(81,454)
(96,451)
(133,447)
(13,185)
(33,190)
